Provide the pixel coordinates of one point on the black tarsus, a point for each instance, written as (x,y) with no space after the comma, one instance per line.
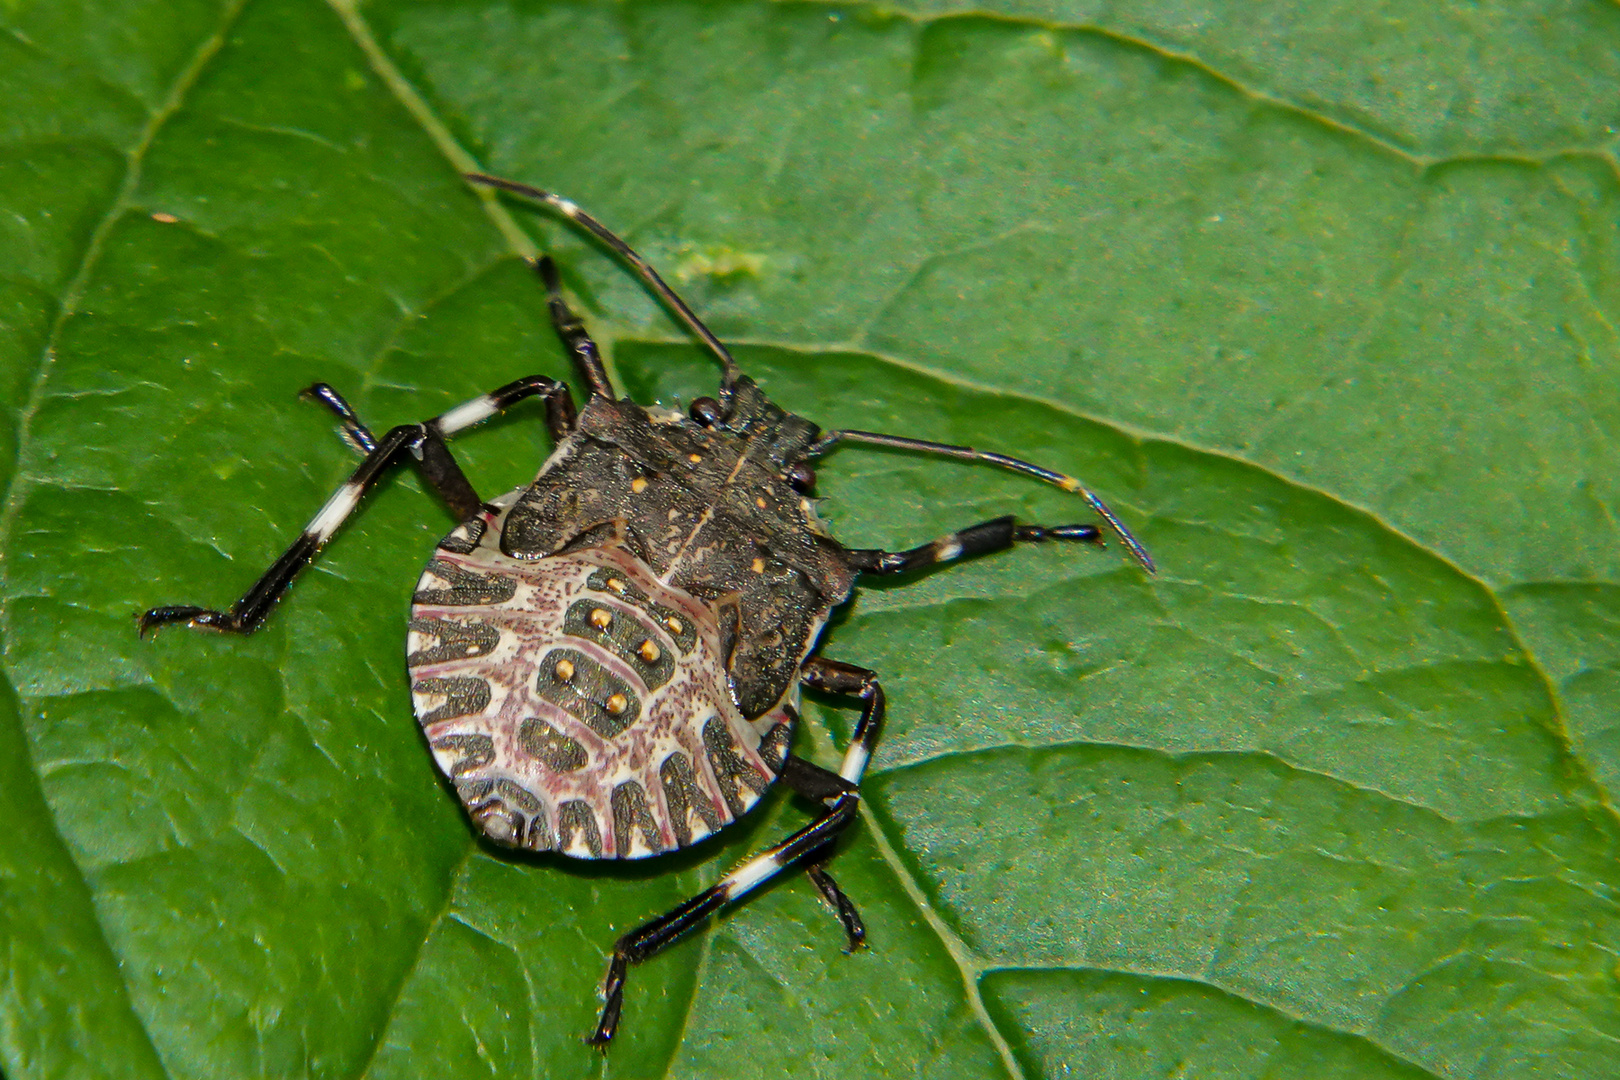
(843,907)
(355,432)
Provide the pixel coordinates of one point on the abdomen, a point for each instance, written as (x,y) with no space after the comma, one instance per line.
(579,704)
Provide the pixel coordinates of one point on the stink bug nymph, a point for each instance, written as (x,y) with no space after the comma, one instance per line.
(607,663)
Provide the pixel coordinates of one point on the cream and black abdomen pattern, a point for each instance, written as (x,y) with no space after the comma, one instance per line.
(579,704)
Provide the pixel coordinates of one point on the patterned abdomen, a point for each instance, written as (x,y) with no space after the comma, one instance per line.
(579,704)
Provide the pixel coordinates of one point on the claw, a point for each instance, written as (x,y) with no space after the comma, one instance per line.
(193,616)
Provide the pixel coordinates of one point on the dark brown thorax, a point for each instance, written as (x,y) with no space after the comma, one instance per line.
(710,510)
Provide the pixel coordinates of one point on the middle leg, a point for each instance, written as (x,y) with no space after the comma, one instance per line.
(422,442)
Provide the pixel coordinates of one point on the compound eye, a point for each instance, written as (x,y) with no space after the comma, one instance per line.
(802,477)
(707,411)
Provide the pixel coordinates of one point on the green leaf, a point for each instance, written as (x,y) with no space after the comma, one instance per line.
(1321,298)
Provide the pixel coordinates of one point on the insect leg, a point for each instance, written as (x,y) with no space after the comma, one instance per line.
(839,792)
(814,782)
(642,268)
(998,534)
(439,468)
(587,358)
(248,612)
(559,408)
(830,439)
(355,433)
(423,443)
(837,677)
(843,907)
(653,937)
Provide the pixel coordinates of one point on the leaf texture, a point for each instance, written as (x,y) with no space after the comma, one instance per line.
(1321,298)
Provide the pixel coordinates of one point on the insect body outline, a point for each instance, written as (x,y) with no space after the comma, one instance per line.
(607,661)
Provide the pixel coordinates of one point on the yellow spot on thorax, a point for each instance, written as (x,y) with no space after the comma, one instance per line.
(601,618)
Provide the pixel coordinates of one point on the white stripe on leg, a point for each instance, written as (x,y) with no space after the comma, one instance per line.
(748,876)
(467,414)
(855,759)
(337,508)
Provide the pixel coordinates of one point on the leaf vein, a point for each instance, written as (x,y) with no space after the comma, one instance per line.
(1226,991)
(954,946)
(398,993)
(885,768)
(436,129)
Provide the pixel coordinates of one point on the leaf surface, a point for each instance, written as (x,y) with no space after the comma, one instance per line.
(1321,299)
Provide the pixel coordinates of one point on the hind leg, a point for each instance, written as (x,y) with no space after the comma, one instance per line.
(839,792)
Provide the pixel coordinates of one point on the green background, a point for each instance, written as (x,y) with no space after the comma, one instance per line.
(1322,297)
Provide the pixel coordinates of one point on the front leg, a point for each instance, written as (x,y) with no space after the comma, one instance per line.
(560,415)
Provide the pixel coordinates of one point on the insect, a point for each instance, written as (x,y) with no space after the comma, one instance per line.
(607,663)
